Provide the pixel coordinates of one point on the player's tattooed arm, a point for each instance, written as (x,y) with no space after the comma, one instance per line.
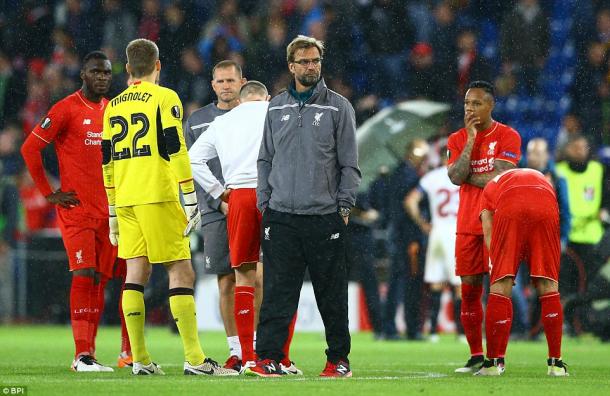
(460,169)
(481,179)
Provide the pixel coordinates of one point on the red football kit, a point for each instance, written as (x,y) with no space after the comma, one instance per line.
(497,143)
(74,124)
(525,224)
(243,227)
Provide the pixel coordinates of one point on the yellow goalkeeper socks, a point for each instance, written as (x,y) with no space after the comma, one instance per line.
(135,315)
(182,305)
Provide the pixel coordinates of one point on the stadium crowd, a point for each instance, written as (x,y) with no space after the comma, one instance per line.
(383,52)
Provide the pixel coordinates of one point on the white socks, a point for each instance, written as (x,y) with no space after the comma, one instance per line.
(234,346)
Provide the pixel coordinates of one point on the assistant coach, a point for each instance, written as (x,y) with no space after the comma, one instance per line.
(307,180)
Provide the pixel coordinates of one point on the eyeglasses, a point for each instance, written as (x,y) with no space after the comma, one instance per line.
(307,62)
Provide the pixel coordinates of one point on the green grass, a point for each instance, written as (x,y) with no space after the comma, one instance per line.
(39,356)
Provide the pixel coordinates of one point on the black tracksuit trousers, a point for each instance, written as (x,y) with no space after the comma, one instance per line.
(291,243)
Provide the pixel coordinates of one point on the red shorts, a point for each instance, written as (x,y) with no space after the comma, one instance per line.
(120,268)
(243,227)
(87,243)
(471,256)
(526,233)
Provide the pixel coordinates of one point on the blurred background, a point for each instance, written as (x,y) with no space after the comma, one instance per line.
(547,58)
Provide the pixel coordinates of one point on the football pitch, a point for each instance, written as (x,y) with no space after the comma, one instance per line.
(38,357)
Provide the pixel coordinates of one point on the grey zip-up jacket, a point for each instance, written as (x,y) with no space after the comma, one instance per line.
(308,160)
(197,124)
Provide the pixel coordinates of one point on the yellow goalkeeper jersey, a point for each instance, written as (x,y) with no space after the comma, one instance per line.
(144,155)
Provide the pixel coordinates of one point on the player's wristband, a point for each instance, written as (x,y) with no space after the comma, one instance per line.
(190,199)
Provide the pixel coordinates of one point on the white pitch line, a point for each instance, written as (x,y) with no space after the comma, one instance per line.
(403,377)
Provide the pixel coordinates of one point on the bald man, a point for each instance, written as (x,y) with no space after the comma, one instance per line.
(538,157)
(405,243)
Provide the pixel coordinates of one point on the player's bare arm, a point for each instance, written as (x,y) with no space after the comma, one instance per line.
(487,222)
(481,179)
(411,205)
(64,199)
(460,169)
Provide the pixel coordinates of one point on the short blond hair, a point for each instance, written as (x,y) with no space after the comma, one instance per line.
(302,42)
(142,54)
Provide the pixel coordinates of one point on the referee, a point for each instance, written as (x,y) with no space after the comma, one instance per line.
(307,180)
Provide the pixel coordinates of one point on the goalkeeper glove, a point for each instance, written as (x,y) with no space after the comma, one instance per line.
(113,222)
(192,212)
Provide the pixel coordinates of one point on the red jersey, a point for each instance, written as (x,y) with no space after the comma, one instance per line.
(492,193)
(498,142)
(75,125)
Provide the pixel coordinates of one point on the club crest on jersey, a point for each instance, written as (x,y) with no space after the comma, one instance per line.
(45,123)
(176,111)
(492,148)
(316,119)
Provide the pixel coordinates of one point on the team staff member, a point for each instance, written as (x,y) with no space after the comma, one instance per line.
(74,124)
(520,219)
(589,202)
(235,139)
(307,179)
(443,200)
(226,82)
(477,153)
(144,161)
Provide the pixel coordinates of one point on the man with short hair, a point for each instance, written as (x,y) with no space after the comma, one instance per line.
(439,271)
(538,157)
(477,153)
(235,139)
(307,180)
(227,80)
(144,162)
(74,125)
(406,241)
(520,220)
(588,189)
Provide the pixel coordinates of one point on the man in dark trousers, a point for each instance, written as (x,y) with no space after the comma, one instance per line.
(307,180)
(405,277)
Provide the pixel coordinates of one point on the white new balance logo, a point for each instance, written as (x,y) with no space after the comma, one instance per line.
(505,321)
(552,315)
(335,236)
(79,256)
(243,311)
(285,117)
(342,369)
(267,237)
(86,121)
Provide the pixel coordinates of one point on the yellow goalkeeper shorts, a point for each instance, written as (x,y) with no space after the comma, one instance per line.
(153,230)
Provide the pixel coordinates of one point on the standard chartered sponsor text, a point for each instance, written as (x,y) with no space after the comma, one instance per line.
(93,138)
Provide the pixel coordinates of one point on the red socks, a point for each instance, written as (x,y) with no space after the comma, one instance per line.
(498,321)
(244,320)
(552,320)
(125,345)
(97,298)
(286,348)
(81,306)
(472,317)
